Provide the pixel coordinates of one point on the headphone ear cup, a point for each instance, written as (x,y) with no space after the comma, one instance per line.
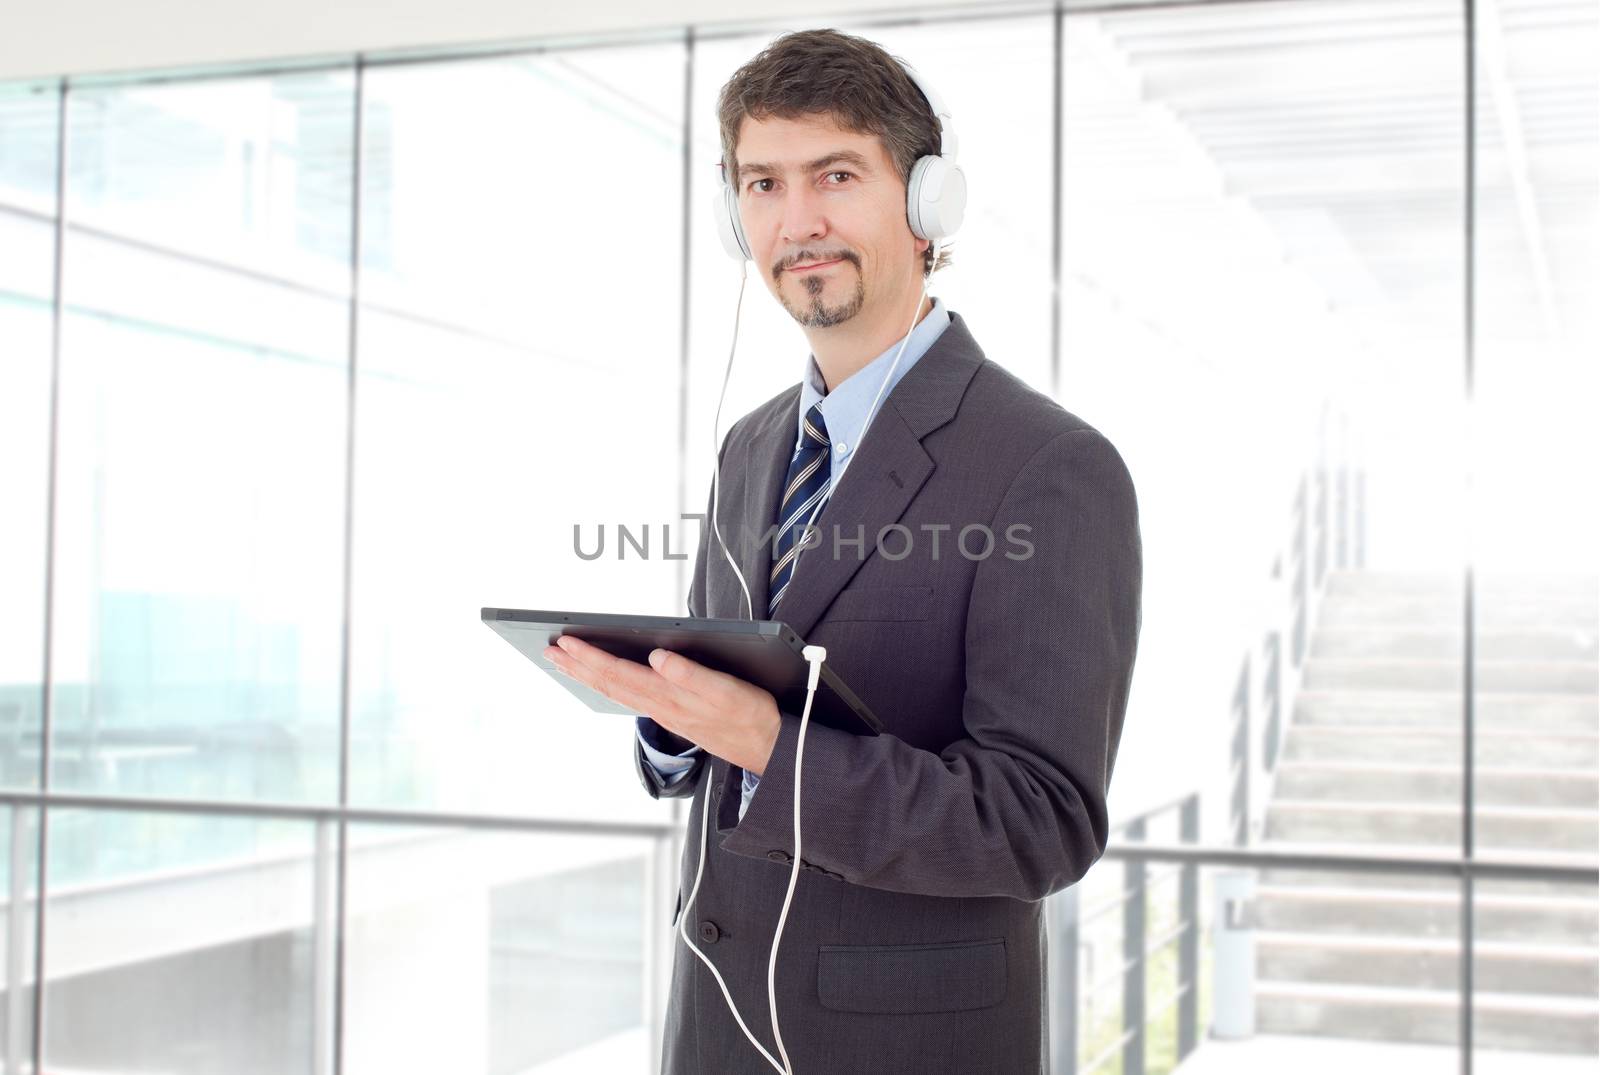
(729,228)
(936,198)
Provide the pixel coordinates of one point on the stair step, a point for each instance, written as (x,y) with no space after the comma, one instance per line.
(1447,612)
(1481,887)
(1427,963)
(1435,745)
(1493,584)
(1372,781)
(1538,1023)
(1556,712)
(1419,673)
(1500,601)
(1556,828)
(1437,643)
(1421,913)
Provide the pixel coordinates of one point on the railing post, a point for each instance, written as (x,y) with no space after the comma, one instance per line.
(1061,929)
(1189,940)
(1239,757)
(1359,526)
(1342,496)
(1320,511)
(1272,732)
(1133,946)
(1299,570)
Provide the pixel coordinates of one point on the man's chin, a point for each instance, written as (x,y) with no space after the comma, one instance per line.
(809,314)
(826,318)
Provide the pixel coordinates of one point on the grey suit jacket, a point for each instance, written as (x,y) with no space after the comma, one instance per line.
(915,942)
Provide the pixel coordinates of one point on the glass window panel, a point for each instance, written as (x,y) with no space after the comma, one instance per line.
(512,398)
(996,77)
(29,118)
(29,115)
(19,889)
(495,952)
(1535,515)
(252,172)
(182,962)
(1262,296)
(201,481)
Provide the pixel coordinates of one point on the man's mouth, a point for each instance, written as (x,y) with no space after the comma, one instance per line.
(814,265)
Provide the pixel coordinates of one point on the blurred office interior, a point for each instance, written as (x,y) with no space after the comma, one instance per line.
(318,336)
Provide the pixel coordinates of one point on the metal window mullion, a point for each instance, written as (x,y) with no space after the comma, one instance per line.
(1469,209)
(1057,122)
(322,1062)
(47,685)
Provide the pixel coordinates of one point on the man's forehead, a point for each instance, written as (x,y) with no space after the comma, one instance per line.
(775,145)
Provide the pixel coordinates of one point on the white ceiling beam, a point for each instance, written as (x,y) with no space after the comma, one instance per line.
(1492,65)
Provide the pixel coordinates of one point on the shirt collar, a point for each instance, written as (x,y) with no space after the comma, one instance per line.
(845,408)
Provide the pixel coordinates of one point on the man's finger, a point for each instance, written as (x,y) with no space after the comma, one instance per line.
(599,669)
(693,676)
(621,680)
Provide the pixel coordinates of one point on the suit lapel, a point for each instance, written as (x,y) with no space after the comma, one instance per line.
(877,487)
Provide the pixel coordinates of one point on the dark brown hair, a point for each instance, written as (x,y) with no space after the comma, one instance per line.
(851,79)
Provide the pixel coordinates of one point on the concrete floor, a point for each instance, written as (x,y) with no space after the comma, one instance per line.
(1266,1053)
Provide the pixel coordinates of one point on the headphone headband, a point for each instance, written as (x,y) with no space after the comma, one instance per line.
(947,133)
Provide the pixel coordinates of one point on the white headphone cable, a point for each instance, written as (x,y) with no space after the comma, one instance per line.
(716,444)
(815,656)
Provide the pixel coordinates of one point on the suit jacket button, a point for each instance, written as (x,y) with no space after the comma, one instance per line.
(779,856)
(709,931)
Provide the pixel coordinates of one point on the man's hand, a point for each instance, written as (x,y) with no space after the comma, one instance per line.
(735,720)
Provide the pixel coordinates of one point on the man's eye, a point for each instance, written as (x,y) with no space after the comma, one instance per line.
(754,182)
(840,173)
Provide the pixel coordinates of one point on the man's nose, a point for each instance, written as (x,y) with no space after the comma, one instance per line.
(803,218)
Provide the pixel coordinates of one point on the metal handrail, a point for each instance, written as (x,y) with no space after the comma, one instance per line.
(1476,866)
(311,812)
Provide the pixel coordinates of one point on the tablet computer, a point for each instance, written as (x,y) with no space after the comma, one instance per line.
(764,652)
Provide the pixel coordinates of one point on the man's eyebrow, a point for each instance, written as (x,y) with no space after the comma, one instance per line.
(838,156)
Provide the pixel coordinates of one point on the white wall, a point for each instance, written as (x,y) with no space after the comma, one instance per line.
(60,37)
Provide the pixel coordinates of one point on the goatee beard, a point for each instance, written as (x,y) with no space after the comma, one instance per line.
(817,312)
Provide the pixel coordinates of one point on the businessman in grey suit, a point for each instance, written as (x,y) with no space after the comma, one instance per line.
(977,583)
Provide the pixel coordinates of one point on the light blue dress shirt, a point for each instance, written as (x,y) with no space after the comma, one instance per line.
(845,412)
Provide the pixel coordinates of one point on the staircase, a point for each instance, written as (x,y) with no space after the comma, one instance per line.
(1372,761)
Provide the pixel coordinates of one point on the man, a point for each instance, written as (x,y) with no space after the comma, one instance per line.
(915,940)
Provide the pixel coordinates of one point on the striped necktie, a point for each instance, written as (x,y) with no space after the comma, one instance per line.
(807,485)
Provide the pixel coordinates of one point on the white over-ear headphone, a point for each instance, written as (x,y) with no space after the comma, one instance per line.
(936,189)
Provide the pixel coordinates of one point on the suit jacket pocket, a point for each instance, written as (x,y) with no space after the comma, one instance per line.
(882,603)
(900,979)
